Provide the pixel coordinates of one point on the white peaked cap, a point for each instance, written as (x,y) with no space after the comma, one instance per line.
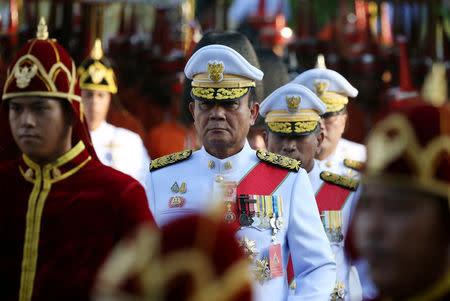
(336,82)
(276,102)
(233,62)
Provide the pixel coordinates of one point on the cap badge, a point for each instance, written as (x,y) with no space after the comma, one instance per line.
(320,87)
(215,70)
(24,75)
(293,103)
(97,74)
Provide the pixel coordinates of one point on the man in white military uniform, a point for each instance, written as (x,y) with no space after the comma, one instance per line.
(257,190)
(292,114)
(337,155)
(116,147)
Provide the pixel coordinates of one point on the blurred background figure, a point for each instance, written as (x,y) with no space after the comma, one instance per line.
(334,90)
(275,76)
(116,147)
(149,43)
(401,224)
(193,258)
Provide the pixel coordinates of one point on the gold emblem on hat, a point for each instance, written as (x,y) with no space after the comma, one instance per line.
(293,103)
(215,70)
(24,75)
(320,87)
(96,74)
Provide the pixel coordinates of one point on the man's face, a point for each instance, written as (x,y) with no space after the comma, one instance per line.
(332,127)
(303,148)
(40,127)
(96,106)
(224,126)
(402,235)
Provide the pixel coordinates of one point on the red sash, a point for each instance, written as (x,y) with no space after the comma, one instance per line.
(329,197)
(263,179)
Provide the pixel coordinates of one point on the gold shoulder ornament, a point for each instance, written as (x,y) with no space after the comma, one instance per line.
(170,159)
(342,181)
(278,160)
(353,164)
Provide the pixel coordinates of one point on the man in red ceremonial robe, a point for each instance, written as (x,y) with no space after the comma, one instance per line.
(61,210)
(401,223)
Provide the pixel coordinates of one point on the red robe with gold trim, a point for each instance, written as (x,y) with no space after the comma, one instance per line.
(58,222)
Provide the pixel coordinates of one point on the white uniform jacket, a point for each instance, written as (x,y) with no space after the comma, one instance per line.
(346,273)
(302,234)
(345,149)
(121,149)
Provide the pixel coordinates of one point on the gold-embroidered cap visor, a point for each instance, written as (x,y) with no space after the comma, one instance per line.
(335,102)
(219,94)
(299,128)
(231,87)
(304,122)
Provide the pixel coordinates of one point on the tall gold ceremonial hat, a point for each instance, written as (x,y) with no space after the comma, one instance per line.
(331,87)
(292,110)
(96,73)
(219,73)
(411,147)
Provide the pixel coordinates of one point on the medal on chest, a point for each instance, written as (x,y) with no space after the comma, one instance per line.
(177,201)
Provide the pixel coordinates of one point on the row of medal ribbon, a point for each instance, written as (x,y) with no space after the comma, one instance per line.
(332,221)
(266,211)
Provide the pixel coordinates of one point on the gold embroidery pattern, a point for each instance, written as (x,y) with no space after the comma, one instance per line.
(207,93)
(46,78)
(321,87)
(298,127)
(305,126)
(342,181)
(219,94)
(170,159)
(353,164)
(36,203)
(24,75)
(215,71)
(278,160)
(293,103)
(334,107)
(280,127)
(232,93)
(142,259)
(394,137)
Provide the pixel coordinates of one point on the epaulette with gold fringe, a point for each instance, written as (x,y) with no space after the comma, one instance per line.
(343,181)
(353,164)
(278,160)
(170,159)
